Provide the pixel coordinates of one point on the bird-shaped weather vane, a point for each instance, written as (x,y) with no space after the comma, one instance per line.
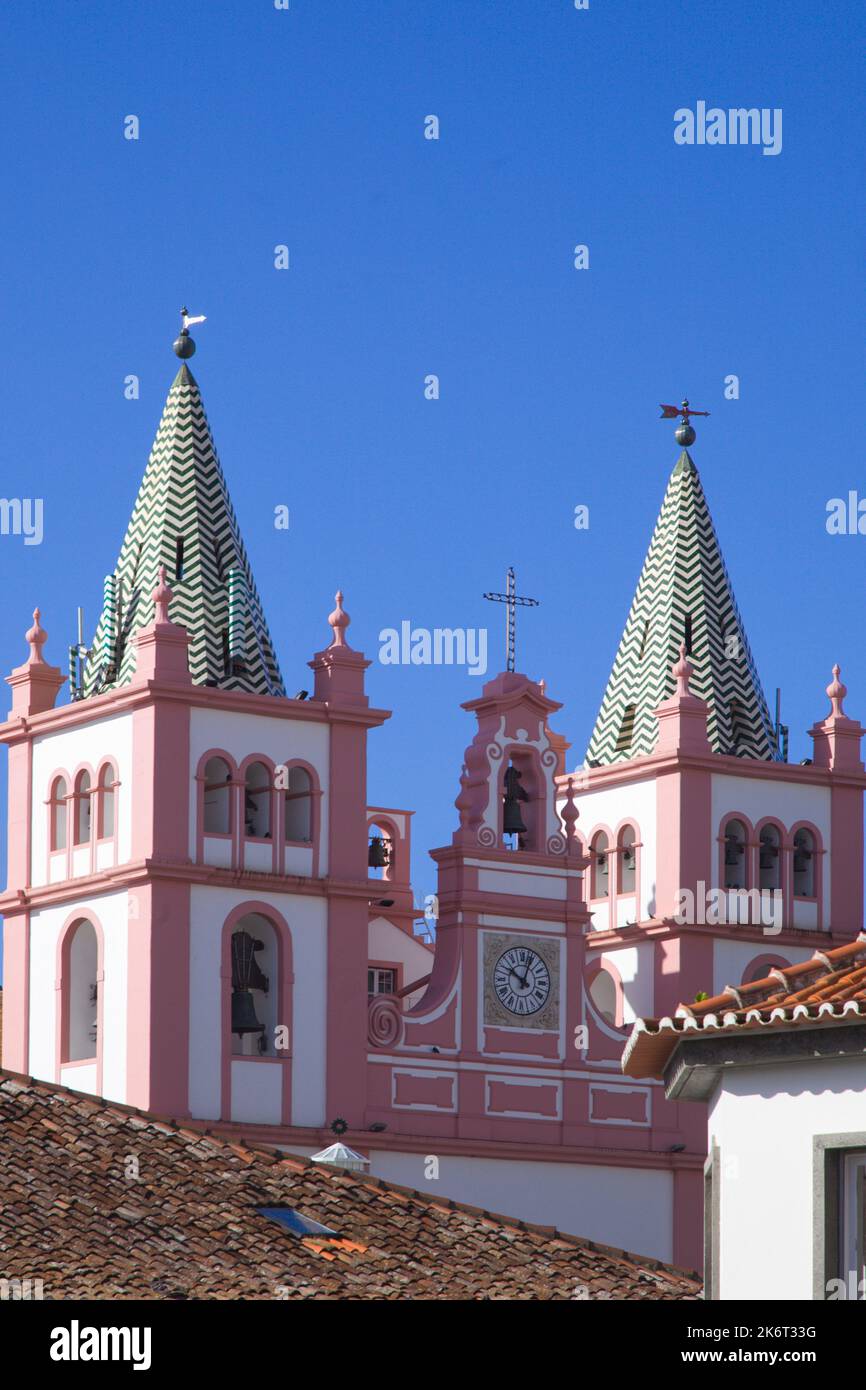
(684,433)
(183,344)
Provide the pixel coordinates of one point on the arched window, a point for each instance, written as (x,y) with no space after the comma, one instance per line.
(770,858)
(79,979)
(217,797)
(107,783)
(804,864)
(254,1001)
(298,806)
(81,828)
(735,854)
(600,866)
(603,993)
(58,813)
(257,802)
(627,859)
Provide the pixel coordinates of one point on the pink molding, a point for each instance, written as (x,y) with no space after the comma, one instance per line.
(243,839)
(602,828)
(763,963)
(749,843)
(232,785)
(316,793)
(16,994)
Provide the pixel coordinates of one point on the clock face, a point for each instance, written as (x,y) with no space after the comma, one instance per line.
(521,980)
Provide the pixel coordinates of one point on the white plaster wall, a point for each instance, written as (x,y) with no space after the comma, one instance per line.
(307,922)
(635,967)
(627,1207)
(257,1092)
(278,739)
(607,807)
(764,1120)
(789,802)
(387,942)
(112,912)
(86,743)
(79,1078)
(730,958)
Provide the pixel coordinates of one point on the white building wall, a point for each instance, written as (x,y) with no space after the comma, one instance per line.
(635,965)
(631,1208)
(608,807)
(281,740)
(764,1120)
(109,736)
(386,942)
(307,921)
(111,910)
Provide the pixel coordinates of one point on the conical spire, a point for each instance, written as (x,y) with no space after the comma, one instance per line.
(683,594)
(184,519)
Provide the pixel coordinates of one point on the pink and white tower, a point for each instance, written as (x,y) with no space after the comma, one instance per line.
(188,924)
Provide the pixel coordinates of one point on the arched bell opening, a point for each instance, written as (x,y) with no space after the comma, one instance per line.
(253,953)
(522,815)
(381,850)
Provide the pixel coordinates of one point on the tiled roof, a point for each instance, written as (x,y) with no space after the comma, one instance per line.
(103,1202)
(829,988)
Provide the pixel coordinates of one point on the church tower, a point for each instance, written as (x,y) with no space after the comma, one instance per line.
(188,919)
(712,859)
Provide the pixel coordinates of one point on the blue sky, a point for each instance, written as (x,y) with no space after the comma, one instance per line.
(409,257)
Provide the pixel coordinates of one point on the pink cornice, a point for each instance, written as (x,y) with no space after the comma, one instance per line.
(137,872)
(205,697)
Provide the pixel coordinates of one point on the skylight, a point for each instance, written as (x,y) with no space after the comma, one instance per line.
(295,1222)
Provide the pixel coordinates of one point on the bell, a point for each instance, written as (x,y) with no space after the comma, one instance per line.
(244,1013)
(377,855)
(512,820)
(245,969)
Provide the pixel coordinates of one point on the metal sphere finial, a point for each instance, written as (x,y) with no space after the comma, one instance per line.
(684,434)
(183,344)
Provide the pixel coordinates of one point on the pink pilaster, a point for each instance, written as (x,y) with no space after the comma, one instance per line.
(339,683)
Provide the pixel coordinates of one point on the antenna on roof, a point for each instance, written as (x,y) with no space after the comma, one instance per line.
(78,654)
(782,730)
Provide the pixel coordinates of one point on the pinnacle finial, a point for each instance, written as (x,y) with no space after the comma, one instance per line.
(339,621)
(36,636)
(837,692)
(682,670)
(162,597)
(183,344)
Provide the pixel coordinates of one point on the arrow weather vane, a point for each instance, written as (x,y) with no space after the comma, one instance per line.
(684,433)
(511,601)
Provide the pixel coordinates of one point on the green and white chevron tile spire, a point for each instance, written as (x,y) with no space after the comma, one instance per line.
(683,593)
(184,519)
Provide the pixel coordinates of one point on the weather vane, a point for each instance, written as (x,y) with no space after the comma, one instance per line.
(512,601)
(183,343)
(684,433)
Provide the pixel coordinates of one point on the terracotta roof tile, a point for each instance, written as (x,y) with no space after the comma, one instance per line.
(830,988)
(188,1227)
